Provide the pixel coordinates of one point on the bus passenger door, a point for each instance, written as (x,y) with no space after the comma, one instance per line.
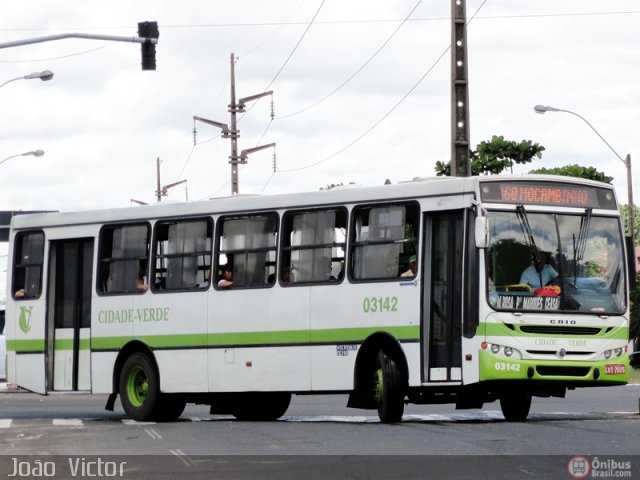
(69,314)
(442,296)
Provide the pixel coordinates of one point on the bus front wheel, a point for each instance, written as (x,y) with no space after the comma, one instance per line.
(515,406)
(139,387)
(388,389)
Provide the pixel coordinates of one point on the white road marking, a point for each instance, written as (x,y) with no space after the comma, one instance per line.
(67,422)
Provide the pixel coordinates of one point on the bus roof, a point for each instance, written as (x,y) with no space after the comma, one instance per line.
(416,188)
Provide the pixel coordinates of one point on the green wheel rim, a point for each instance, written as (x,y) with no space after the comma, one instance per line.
(137,386)
(378,389)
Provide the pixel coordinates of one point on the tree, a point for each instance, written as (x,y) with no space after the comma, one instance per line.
(336,185)
(495,156)
(624,211)
(576,171)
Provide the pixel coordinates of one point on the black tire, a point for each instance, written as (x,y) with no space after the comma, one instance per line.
(388,389)
(139,387)
(261,406)
(515,406)
(170,407)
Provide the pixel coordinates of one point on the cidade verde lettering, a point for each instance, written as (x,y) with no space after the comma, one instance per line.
(133,315)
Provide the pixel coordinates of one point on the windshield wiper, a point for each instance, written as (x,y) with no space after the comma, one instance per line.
(528,236)
(580,244)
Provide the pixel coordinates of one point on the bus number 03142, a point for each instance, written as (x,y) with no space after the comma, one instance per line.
(380,304)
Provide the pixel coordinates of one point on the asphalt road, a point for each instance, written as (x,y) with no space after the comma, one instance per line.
(320,438)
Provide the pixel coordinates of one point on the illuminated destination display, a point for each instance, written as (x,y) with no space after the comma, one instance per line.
(547,193)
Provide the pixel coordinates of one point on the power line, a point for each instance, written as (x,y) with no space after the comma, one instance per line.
(280,26)
(58,57)
(297,45)
(404,97)
(375,54)
(328,22)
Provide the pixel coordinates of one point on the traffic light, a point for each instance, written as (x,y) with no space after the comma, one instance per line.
(148,30)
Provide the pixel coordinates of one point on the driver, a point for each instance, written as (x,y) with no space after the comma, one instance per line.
(539,273)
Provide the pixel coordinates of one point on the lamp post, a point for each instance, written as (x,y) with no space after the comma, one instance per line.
(44,76)
(35,153)
(541,109)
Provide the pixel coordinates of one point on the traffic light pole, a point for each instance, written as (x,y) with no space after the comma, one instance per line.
(147,41)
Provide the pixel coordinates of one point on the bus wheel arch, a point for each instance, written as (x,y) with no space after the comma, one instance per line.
(137,379)
(126,351)
(380,360)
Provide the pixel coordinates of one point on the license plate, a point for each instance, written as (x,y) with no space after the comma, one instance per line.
(614,369)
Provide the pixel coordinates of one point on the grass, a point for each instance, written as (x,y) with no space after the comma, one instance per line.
(634,375)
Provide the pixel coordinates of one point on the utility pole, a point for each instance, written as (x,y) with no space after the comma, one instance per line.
(460,164)
(232,132)
(163,191)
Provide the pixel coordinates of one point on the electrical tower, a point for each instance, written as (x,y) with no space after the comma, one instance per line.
(232,132)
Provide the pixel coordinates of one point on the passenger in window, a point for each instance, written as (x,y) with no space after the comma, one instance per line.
(539,274)
(286,274)
(227,277)
(141,284)
(19,293)
(412,267)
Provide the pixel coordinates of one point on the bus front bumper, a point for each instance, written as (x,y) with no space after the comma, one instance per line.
(606,372)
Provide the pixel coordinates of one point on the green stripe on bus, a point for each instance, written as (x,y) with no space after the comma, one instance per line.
(301,337)
(25,345)
(67,344)
(292,337)
(501,330)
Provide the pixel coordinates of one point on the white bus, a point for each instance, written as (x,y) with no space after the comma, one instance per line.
(325,299)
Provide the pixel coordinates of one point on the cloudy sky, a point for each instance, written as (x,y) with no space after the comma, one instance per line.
(359,94)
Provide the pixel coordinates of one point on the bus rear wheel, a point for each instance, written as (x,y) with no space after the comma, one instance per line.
(139,387)
(388,389)
(515,406)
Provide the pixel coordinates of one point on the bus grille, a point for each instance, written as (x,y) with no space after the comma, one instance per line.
(562,371)
(559,330)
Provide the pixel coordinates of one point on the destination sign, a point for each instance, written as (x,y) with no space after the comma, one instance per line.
(547,193)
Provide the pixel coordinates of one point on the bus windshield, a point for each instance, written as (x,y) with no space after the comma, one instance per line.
(555,262)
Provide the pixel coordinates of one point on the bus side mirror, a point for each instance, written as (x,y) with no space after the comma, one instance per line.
(481,232)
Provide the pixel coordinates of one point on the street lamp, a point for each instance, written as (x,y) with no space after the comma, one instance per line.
(44,76)
(35,153)
(541,109)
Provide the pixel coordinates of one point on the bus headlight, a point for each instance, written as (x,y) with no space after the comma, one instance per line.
(507,352)
(607,354)
(618,352)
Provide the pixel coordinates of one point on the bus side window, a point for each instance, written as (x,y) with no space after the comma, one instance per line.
(182,254)
(248,245)
(313,246)
(124,257)
(28,261)
(383,241)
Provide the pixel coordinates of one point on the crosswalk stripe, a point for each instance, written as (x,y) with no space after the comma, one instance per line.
(67,422)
